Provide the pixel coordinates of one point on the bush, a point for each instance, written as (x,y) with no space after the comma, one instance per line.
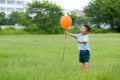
(0,28)
(75,30)
(40,31)
(49,30)
(31,28)
(100,30)
(55,30)
(10,28)
(12,31)
(93,30)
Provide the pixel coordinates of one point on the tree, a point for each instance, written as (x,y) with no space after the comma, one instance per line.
(78,20)
(14,18)
(48,14)
(3,19)
(24,19)
(73,16)
(104,11)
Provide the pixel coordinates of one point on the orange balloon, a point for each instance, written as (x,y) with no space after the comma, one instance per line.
(65,22)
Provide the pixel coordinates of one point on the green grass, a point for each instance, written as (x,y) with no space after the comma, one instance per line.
(38,57)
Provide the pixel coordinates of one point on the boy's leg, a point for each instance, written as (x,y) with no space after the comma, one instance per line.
(86,58)
(85,66)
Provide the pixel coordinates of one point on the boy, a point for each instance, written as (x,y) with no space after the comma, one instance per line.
(83,47)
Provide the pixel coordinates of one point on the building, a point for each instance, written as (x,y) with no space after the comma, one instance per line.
(8,6)
(79,13)
(76,11)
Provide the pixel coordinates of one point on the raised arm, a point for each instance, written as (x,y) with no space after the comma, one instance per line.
(81,42)
(69,34)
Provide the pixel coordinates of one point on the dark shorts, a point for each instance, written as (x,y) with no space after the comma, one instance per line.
(84,56)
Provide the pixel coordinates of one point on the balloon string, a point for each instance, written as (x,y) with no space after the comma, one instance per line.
(64,49)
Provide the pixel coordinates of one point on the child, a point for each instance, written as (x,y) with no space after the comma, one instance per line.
(83,47)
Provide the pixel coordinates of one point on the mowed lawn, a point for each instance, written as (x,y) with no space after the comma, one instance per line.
(38,57)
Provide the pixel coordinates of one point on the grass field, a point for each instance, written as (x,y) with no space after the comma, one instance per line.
(38,57)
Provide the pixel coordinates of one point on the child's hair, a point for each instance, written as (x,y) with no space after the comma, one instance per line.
(87,27)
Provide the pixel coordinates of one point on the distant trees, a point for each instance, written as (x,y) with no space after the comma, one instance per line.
(3,20)
(25,19)
(104,11)
(14,18)
(78,20)
(43,14)
(47,14)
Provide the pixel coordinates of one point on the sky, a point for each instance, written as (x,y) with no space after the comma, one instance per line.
(71,4)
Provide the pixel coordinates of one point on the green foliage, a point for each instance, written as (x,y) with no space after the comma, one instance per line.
(73,16)
(41,31)
(75,30)
(0,28)
(31,28)
(55,30)
(47,18)
(3,20)
(47,14)
(14,18)
(104,11)
(93,30)
(12,31)
(98,30)
(24,19)
(78,20)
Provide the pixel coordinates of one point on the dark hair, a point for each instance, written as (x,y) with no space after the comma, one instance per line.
(87,27)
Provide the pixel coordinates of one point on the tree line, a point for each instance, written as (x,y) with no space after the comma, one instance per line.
(44,16)
(104,11)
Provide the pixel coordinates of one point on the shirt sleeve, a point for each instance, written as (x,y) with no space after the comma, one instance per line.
(76,36)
